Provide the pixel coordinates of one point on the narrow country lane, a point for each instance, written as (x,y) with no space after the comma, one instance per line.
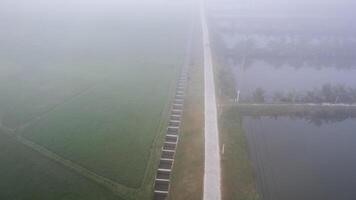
(212,169)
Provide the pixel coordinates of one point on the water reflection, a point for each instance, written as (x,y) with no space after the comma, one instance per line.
(287,53)
(291,66)
(290,84)
(288,58)
(296,51)
(293,52)
(300,160)
(317,118)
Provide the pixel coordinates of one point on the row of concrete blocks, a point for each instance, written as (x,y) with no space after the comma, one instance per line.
(162,181)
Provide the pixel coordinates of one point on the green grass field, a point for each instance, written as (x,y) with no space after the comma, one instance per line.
(109,128)
(27,175)
(92,91)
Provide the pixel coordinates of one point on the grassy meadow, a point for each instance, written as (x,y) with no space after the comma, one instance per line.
(92,87)
(27,175)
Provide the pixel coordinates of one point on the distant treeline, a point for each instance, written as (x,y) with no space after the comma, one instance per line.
(297,51)
(316,114)
(326,94)
(285,26)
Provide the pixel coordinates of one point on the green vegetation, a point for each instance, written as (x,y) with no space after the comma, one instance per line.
(237,172)
(315,113)
(238,180)
(259,95)
(29,176)
(111,120)
(96,104)
(188,170)
(327,93)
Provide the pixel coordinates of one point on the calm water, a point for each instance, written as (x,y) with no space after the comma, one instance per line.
(293,47)
(286,46)
(296,160)
(287,78)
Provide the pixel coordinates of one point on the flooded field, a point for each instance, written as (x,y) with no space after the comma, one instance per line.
(285,53)
(302,62)
(295,79)
(295,159)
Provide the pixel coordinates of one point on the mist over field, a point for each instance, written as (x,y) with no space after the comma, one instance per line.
(188,99)
(85,87)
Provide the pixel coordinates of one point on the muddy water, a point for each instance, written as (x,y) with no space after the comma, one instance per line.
(295,159)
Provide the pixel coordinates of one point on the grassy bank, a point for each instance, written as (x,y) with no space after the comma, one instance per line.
(237,172)
(187,175)
(238,180)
